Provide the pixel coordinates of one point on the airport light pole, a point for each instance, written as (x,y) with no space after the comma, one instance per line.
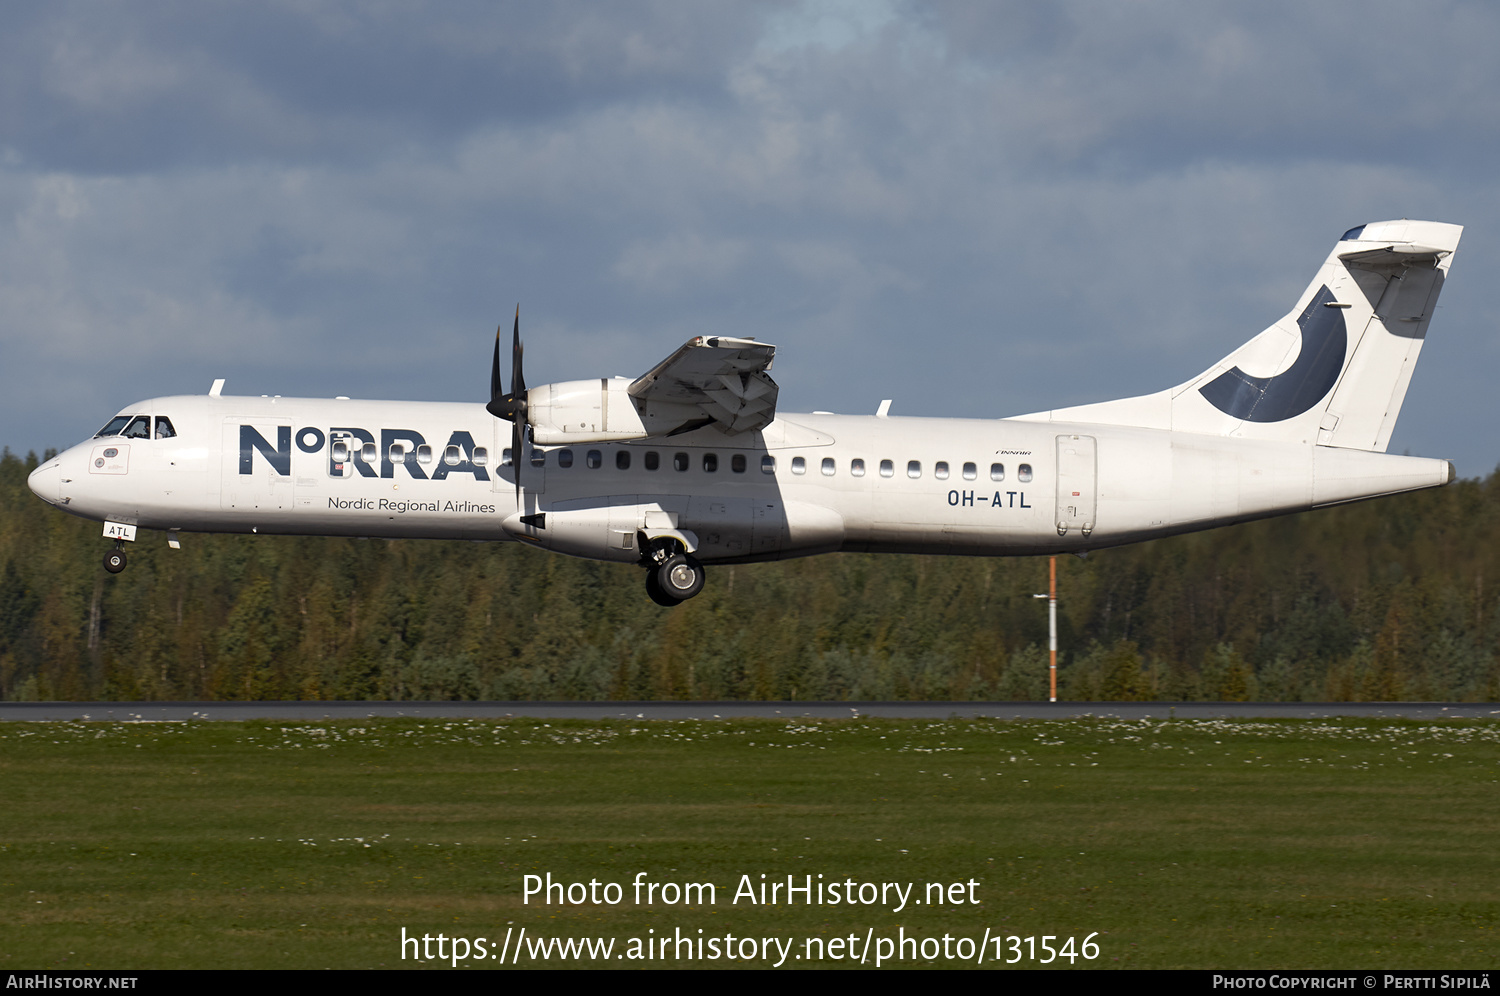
(1051,598)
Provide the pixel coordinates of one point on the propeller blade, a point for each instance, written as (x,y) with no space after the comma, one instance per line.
(511,406)
(497,389)
(517,378)
(515,457)
(517,404)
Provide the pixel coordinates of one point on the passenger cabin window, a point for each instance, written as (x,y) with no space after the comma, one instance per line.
(622,459)
(940,470)
(139,428)
(680,461)
(164,428)
(887,468)
(1023,473)
(799,465)
(396,453)
(856,468)
(710,462)
(914,468)
(424,454)
(768,464)
(653,460)
(113,427)
(565,458)
(506,457)
(737,463)
(970,472)
(340,457)
(997,471)
(594,460)
(481,456)
(538,457)
(829,467)
(369,453)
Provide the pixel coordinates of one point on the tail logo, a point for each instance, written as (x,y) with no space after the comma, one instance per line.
(1325,339)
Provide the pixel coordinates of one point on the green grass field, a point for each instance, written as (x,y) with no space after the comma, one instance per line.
(1209,844)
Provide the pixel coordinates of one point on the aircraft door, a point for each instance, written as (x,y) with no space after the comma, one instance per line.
(1077,484)
(257,468)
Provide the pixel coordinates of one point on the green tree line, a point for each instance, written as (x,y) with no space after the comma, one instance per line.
(1383,600)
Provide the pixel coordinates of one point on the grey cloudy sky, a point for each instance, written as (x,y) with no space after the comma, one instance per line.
(976,209)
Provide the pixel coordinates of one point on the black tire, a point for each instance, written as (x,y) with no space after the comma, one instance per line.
(680,577)
(114,561)
(653,588)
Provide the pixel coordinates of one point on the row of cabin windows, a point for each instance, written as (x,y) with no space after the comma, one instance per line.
(398,453)
(940,470)
(651,460)
(594,459)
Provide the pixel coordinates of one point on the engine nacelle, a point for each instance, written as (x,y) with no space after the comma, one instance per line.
(600,411)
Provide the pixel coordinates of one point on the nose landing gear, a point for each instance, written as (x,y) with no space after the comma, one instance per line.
(114,560)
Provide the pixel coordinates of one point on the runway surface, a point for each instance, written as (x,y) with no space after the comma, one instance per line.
(189,711)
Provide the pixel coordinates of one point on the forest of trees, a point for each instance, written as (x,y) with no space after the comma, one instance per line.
(1376,601)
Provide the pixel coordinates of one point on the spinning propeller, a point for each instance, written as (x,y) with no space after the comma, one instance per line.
(511,406)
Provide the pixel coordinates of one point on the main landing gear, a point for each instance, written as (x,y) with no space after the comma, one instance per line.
(672,576)
(114,560)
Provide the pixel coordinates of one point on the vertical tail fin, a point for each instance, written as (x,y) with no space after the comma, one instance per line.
(1335,368)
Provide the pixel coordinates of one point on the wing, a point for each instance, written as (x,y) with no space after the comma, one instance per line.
(723,378)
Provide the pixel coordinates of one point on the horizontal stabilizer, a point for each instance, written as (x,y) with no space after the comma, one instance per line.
(1394,255)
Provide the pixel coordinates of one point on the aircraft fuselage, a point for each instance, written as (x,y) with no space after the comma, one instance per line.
(806,484)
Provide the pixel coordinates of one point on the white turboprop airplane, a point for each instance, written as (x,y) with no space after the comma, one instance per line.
(690,464)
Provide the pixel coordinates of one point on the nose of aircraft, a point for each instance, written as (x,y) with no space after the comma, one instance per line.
(46,481)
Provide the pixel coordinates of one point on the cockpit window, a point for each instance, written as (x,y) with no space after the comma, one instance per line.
(139,428)
(164,428)
(113,428)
